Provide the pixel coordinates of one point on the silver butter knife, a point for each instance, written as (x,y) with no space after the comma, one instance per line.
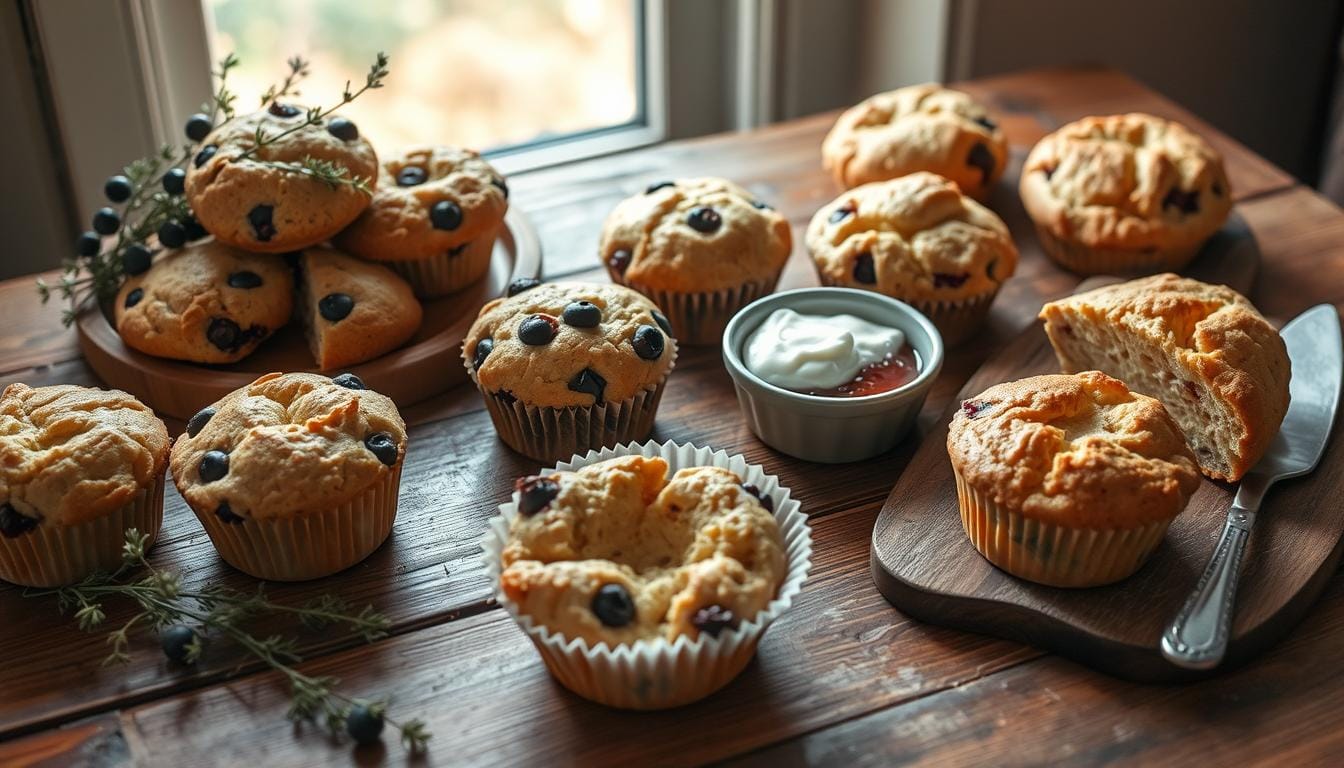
(1197,638)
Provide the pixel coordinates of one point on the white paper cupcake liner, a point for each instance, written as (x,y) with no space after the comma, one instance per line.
(447,272)
(698,319)
(656,674)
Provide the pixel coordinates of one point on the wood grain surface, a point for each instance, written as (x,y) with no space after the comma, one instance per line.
(841,660)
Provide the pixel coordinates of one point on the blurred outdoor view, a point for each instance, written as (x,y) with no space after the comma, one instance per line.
(475,73)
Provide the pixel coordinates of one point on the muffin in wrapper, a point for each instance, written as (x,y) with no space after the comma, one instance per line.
(450,271)
(656,674)
(1084,260)
(551,434)
(698,319)
(956,321)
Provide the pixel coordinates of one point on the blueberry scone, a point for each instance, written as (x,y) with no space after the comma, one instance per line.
(353,310)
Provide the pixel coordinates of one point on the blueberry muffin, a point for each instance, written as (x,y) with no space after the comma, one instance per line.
(1203,350)
(568,367)
(353,310)
(294,476)
(78,467)
(920,240)
(917,128)
(434,219)
(1125,194)
(700,248)
(240,196)
(205,303)
(1069,481)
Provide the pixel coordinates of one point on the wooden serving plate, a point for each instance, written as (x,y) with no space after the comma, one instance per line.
(426,365)
(924,564)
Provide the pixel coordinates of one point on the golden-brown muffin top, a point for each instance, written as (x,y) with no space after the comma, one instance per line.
(287,444)
(698,553)
(71,454)
(913,237)
(1126,181)
(543,348)
(1078,450)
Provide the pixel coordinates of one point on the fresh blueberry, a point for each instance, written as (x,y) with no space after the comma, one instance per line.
(224,334)
(382,445)
(134,297)
(661,320)
(704,219)
(194,229)
(244,279)
(483,349)
(88,244)
(198,422)
(135,260)
(713,619)
(175,181)
(214,466)
(172,234)
(174,641)
(199,126)
(612,606)
(349,381)
(335,306)
(106,221)
(282,110)
(411,176)
(521,284)
(117,189)
(225,513)
(582,314)
(589,382)
(535,494)
(446,215)
(537,330)
(203,157)
(365,725)
(648,342)
(343,129)
(13,523)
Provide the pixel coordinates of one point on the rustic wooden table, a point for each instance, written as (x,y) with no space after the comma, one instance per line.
(842,678)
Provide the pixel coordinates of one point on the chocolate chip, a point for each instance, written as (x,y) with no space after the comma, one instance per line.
(980,157)
(335,306)
(657,185)
(1185,202)
(245,280)
(224,334)
(503,187)
(648,342)
(198,422)
(766,501)
(619,261)
(841,213)
(536,330)
(582,314)
(662,322)
(483,349)
(988,124)
(713,619)
(612,606)
(134,297)
(411,175)
(521,284)
(13,523)
(446,215)
(381,445)
(535,494)
(589,382)
(946,280)
(207,152)
(973,408)
(283,110)
(864,271)
(343,129)
(349,381)
(225,513)
(704,219)
(260,219)
(214,466)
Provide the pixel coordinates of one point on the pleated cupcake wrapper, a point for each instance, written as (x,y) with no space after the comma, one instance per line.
(956,321)
(58,555)
(656,674)
(1084,260)
(447,272)
(1055,555)
(310,545)
(698,319)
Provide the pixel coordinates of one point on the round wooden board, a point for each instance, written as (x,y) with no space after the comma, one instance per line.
(428,364)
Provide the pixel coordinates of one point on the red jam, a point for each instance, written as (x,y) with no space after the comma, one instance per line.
(891,372)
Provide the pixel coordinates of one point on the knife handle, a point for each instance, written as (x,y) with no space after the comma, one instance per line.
(1197,638)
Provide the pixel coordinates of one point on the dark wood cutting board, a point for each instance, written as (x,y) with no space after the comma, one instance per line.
(924,564)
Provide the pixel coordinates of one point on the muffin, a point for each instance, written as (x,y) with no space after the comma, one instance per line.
(434,219)
(294,476)
(205,303)
(700,248)
(1125,194)
(920,240)
(1069,481)
(918,128)
(353,310)
(568,367)
(1203,350)
(78,467)
(254,204)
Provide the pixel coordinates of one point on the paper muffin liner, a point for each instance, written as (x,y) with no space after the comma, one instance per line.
(309,545)
(447,272)
(956,321)
(60,555)
(656,674)
(1084,260)
(1052,554)
(698,319)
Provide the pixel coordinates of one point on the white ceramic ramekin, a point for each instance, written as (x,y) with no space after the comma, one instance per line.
(832,429)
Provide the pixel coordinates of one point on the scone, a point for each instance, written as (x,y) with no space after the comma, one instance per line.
(1203,350)
(917,128)
(294,476)
(434,219)
(568,367)
(353,310)
(78,467)
(205,303)
(1124,194)
(251,203)
(920,240)
(1069,481)
(701,249)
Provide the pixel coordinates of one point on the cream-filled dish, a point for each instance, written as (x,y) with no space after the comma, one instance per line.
(829,355)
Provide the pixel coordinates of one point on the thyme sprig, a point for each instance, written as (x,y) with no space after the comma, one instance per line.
(163,602)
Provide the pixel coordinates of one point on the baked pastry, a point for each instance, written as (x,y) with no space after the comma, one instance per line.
(1069,481)
(242,198)
(78,467)
(920,240)
(294,476)
(615,552)
(205,303)
(1124,194)
(568,367)
(700,248)
(917,128)
(1203,350)
(353,310)
(434,219)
